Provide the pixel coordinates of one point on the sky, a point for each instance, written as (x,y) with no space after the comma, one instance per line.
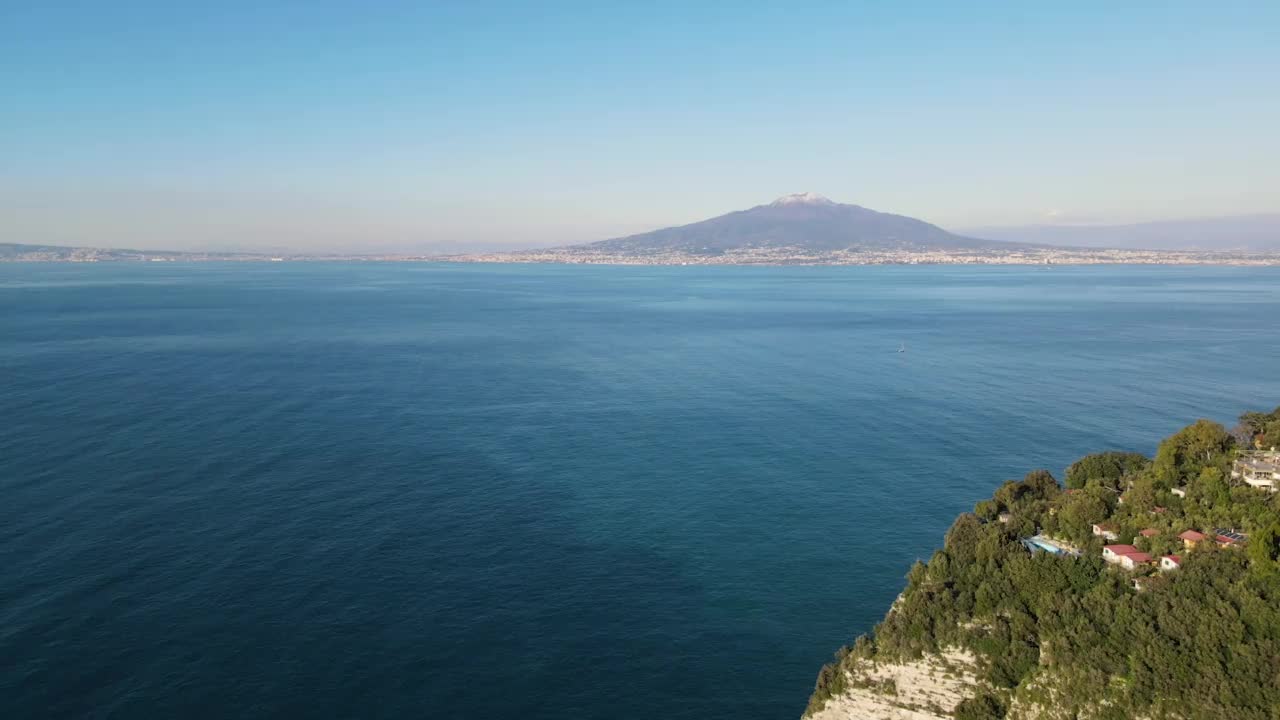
(403,125)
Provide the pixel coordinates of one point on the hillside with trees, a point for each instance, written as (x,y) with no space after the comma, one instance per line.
(1072,636)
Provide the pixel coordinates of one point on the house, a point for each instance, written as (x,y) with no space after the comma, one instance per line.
(1113,553)
(1148,532)
(1228,538)
(1190,538)
(1126,556)
(1259,469)
(1105,530)
(1004,518)
(1134,560)
(1170,562)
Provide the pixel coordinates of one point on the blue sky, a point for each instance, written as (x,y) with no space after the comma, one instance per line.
(396,125)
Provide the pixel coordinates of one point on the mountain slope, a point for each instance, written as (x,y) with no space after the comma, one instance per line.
(805,221)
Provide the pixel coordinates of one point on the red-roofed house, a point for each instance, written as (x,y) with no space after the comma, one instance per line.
(1147,532)
(1113,553)
(1134,559)
(1191,537)
(1126,556)
(1170,562)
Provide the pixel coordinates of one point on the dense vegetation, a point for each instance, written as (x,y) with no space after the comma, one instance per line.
(1071,636)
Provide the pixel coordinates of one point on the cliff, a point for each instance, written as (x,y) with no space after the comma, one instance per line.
(1112,598)
(927,688)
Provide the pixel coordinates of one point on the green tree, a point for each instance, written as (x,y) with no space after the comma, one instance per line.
(1108,467)
(987,510)
(1210,489)
(1141,496)
(1083,508)
(1270,436)
(984,706)
(1040,485)
(1262,428)
(962,538)
(1186,453)
(1264,547)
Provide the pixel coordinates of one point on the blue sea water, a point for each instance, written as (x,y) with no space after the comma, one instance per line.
(484,491)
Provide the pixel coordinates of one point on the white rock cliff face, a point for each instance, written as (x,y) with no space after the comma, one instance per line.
(924,689)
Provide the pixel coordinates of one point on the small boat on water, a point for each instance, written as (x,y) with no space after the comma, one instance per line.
(902,348)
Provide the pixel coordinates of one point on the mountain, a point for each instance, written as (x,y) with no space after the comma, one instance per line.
(805,221)
(1245,233)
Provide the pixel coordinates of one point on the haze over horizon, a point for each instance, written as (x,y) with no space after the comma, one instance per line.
(331,126)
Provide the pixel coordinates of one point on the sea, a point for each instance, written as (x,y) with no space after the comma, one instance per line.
(379,490)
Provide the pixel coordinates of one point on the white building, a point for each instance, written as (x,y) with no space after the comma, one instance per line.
(1260,470)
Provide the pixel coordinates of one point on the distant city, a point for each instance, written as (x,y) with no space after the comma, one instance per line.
(798,256)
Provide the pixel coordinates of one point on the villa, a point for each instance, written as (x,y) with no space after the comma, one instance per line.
(1105,530)
(1259,469)
(1170,562)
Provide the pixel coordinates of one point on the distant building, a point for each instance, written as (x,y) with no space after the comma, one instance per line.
(1170,562)
(1004,517)
(1105,530)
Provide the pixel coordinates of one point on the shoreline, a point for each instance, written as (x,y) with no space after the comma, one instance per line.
(1188,260)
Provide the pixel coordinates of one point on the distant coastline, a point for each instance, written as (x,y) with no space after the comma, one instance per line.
(584,255)
(788,256)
